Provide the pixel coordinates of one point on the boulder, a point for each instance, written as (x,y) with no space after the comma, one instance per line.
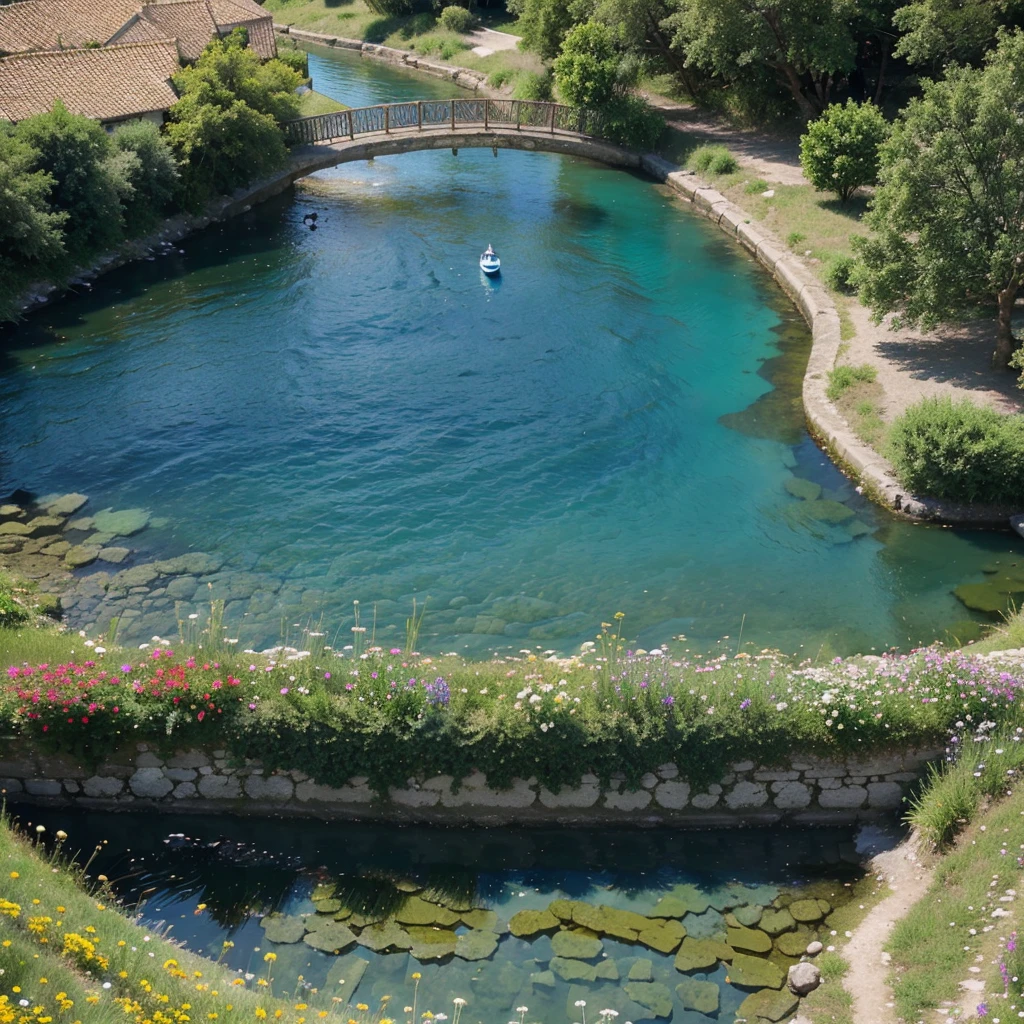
(528,923)
(651,994)
(803,978)
(702,996)
(768,1005)
(753,972)
(814,948)
(151,783)
(576,944)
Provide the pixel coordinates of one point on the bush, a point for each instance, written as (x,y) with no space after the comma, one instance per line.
(150,173)
(632,122)
(959,451)
(391,8)
(840,274)
(713,160)
(839,151)
(296,59)
(587,68)
(457,19)
(496,79)
(842,378)
(529,85)
(756,187)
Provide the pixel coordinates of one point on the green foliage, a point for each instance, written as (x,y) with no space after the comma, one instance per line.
(712,159)
(150,174)
(31,232)
(587,68)
(756,187)
(544,24)
(947,227)
(842,378)
(296,59)
(839,150)
(496,79)
(12,612)
(391,8)
(632,122)
(530,85)
(959,451)
(73,151)
(457,19)
(794,238)
(841,274)
(939,32)
(805,45)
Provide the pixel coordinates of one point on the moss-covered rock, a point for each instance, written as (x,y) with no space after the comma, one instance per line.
(664,937)
(421,912)
(328,906)
(476,945)
(384,936)
(485,920)
(573,970)
(543,979)
(748,916)
(80,555)
(768,1005)
(775,922)
(332,937)
(809,911)
(577,944)
(431,943)
(701,954)
(621,924)
(283,929)
(749,940)
(344,976)
(702,996)
(753,972)
(642,970)
(607,970)
(655,996)
(125,523)
(792,943)
(528,923)
(681,900)
(801,488)
(980,597)
(562,909)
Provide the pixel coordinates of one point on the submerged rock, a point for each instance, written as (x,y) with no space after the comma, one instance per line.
(792,943)
(801,488)
(80,555)
(66,504)
(642,970)
(753,972)
(344,976)
(332,937)
(702,996)
(768,1005)
(283,929)
(682,900)
(809,911)
(44,526)
(579,945)
(775,922)
(528,923)
(652,994)
(476,945)
(13,529)
(125,523)
(113,555)
(418,911)
(701,954)
(82,523)
(750,940)
(431,943)
(486,920)
(380,937)
(573,970)
(664,937)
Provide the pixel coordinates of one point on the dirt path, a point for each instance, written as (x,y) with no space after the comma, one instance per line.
(909,878)
(487,41)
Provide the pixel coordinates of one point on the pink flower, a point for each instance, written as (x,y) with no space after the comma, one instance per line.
(284,689)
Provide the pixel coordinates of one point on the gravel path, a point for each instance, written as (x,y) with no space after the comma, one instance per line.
(486,41)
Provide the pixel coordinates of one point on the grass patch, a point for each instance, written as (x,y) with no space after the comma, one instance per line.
(842,378)
(949,928)
(314,102)
(712,159)
(756,187)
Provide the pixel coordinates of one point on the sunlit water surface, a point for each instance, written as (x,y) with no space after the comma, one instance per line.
(355,412)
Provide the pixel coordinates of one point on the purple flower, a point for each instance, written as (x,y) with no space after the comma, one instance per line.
(396,650)
(126,669)
(327,675)
(1011,943)
(668,701)
(744,704)
(284,689)
(982,1010)
(437,692)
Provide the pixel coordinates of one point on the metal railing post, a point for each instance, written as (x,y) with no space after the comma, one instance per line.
(387,119)
(554,110)
(519,113)
(419,114)
(487,111)
(351,125)
(453,115)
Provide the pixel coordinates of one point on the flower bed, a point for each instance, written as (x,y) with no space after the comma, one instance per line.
(387,716)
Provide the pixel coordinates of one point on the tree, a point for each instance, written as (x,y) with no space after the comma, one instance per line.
(805,44)
(587,69)
(148,167)
(948,216)
(936,32)
(31,233)
(72,150)
(544,24)
(839,151)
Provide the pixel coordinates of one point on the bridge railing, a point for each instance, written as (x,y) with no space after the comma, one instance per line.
(451,114)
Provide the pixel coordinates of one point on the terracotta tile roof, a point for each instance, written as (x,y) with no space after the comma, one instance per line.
(230,13)
(189,21)
(50,24)
(106,84)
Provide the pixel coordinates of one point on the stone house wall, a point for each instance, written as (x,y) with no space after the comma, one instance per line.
(807,790)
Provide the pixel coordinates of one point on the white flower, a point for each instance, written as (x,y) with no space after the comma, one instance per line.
(106,984)
(535,698)
(23,1002)
(521,1009)
(781,706)
(580,1002)
(101,650)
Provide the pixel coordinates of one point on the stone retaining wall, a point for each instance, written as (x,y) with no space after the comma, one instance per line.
(807,790)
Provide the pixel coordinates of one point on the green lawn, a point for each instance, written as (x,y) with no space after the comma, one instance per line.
(314,102)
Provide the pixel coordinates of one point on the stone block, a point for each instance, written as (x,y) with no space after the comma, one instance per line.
(269,787)
(414,797)
(831,772)
(743,766)
(150,782)
(42,787)
(856,780)
(885,795)
(184,790)
(311,791)
(627,801)
(148,760)
(188,759)
(747,794)
(180,774)
(10,786)
(438,782)
(902,777)
(792,796)
(830,783)
(219,787)
(649,780)
(667,771)
(705,801)
(848,797)
(56,765)
(70,786)
(521,794)
(776,776)
(115,770)
(580,796)
(672,795)
(103,785)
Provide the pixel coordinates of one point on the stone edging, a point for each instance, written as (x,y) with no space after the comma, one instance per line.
(872,470)
(465,77)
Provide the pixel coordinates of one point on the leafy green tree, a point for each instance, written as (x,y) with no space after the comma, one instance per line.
(948,215)
(73,151)
(805,44)
(31,233)
(391,8)
(147,166)
(587,69)
(839,151)
(544,24)
(228,71)
(937,32)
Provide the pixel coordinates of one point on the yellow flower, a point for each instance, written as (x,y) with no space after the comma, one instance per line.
(416,975)
(301,1006)
(17,988)
(212,1016)
(269,958)
(361,1006)
(6,943)
(262,981)
(261,1014)
(44,981)
(322,1014)
(61,910)
(238,981)
(14,874)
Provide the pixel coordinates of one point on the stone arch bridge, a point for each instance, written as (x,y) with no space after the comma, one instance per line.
(362,133)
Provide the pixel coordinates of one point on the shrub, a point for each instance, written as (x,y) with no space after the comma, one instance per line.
(842,378)
(391,8)
(631,121)
(529,85)
(713,160)
(587,68)
(496,79)
(756,187)
(840,274)
(296,59)
(457,19)
(12,612)
(451,47)
(150,173)
(839,151)
(959,451)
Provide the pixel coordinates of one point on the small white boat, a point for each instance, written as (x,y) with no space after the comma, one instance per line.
(489,262)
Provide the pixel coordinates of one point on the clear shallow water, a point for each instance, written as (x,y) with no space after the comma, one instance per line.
(242,870)
(356,413)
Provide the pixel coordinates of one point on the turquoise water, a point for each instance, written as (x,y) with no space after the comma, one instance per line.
(214,881)
(356,413)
